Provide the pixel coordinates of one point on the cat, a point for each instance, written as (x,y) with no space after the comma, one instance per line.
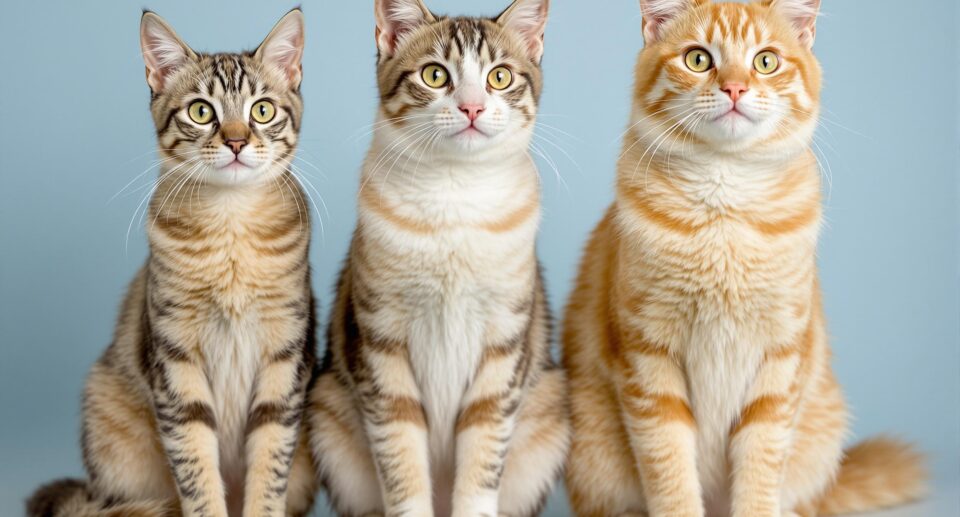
(695,340)
(438,394)
(197,404)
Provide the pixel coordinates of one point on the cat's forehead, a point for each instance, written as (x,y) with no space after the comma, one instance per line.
(227,76)
(463,38)
(466,37)
(731,25)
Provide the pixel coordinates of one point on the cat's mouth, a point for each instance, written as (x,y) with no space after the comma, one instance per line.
(470,131)
(236,165)
(733,114)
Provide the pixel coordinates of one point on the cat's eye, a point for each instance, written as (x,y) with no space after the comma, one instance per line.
(263,111)
(698,60)
(435,76)
(500,78)
(766,62)
(200,112)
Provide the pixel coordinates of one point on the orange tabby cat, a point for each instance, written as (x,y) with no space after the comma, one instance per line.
(695,341)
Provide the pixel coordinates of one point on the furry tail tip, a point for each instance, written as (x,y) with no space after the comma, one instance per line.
(877,473)
(60,498)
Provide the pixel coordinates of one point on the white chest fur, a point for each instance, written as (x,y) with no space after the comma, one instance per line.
(445,342)
(457,276)
(721,363)
(232,357)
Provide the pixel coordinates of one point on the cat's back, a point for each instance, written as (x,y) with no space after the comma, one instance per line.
(128,356)
(589,346)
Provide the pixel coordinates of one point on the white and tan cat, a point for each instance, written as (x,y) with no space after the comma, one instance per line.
(438,394)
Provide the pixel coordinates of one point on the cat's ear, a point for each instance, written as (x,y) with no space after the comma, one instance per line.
(529,18)
(163,51)
(657,13)
(283,47)
(396,18)
(802,14)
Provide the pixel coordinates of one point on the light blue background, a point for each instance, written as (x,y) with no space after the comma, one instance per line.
(75,129)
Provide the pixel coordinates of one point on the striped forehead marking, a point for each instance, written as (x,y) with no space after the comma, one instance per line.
(463,37)
(230,75)
(730,24)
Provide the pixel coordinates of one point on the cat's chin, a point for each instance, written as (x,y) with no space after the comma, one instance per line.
(733,131)
(733,126)
(471,140)
(235,166)
(486,144)
(470,133)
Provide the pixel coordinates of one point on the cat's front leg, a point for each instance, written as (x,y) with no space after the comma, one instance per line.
(396,426)
(273,429)
(656,412)
(485,426)
(184,408)
(760,442)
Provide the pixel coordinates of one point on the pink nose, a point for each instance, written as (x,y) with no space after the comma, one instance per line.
(236,144)
(734,90)
(472,111)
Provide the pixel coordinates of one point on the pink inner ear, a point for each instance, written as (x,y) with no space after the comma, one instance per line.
(535,43)
(801,13)
(395,18)
(283,50)
(162,56)
(529,20)
(651,28)
(386,40)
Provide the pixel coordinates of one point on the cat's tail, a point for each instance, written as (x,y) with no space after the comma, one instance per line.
(874,474)
(73,498)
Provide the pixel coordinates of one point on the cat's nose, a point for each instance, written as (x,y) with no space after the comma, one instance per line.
(734,90)
(236,144)
(235,135)
(472,111)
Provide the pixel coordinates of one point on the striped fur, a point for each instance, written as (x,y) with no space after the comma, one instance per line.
(695,338)
(438,394)
(195,408)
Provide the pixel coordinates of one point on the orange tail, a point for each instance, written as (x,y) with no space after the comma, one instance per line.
(877,473)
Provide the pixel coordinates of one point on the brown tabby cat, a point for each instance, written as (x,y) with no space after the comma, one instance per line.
(438,394)
(695,341)
(196,405)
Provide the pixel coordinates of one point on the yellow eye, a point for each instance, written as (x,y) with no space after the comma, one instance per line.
(435,76)
(766,62)
(500,78)
(698,60)
(263,111)
(200,112)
